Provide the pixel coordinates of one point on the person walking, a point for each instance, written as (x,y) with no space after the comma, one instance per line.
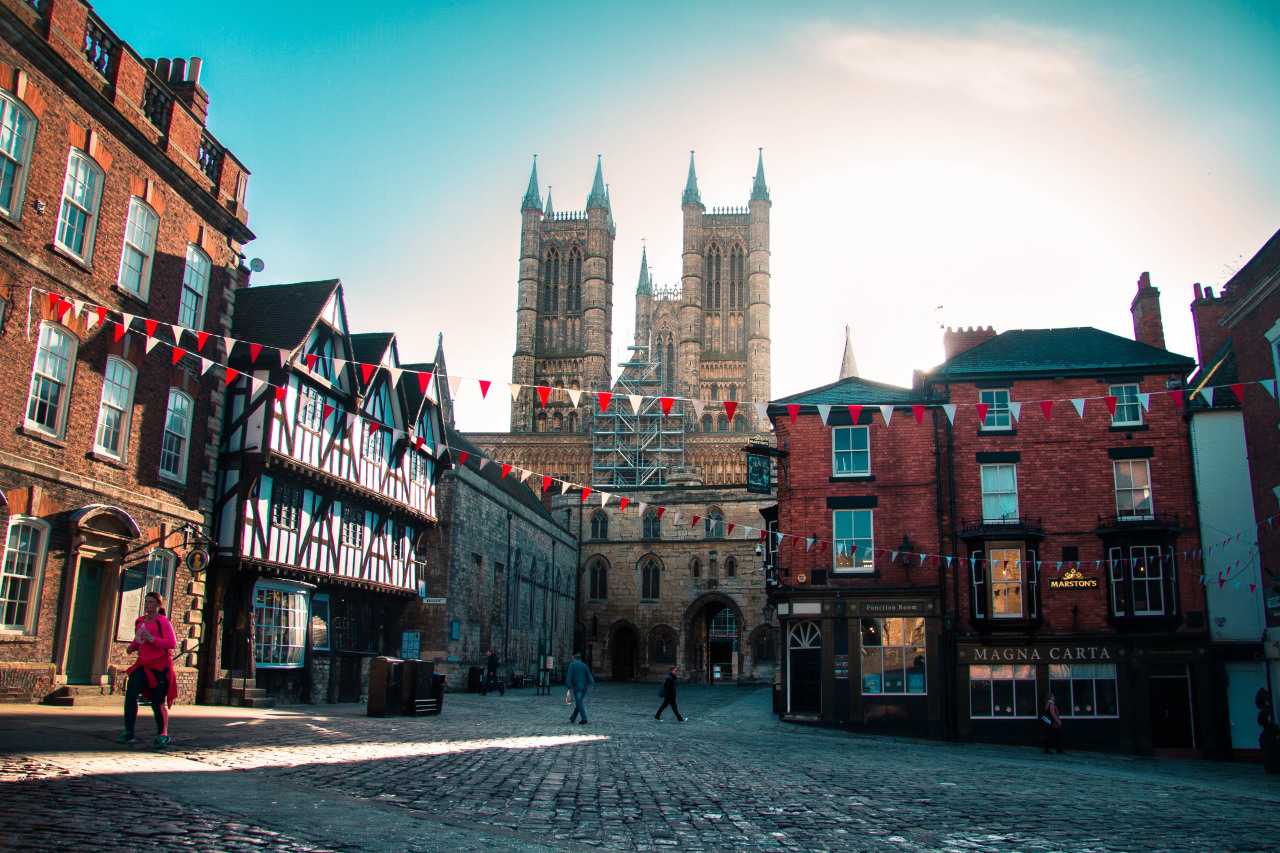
(668,694)
(152,673)
(1052,723)
(578,678)
(491,674)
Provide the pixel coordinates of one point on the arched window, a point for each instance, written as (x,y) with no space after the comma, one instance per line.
(724,625)
(733,392)
(540,422)
(739,424)
(557,423)
(715,391)
(195,288)
(139,246)
(662,645)
(116,408)
(706,423)
(730,567)
(51,379)
(722,423)
(21,573)
(78,216)
(573,422)
(177,437)
(737,268)
(18,132)
(598,580)
(551,268)
(695,568)
(713,524)
(650,579)
(652,525)
(575,280)
(671,366)
(599,525)
(804,635)
(712,288)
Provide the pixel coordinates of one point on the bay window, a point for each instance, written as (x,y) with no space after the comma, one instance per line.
(854,540)
(1004,583)
(51,379)
(850,451)
(112,436)
(78,215)
(1143,580)
(280,622)
(893,656)
(1002,690)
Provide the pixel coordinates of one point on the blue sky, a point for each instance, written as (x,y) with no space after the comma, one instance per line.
(1016,164)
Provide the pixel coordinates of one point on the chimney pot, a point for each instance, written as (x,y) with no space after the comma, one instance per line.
(162,69)
(1199,292)
(1144,281)
(193,69)
(178,70)
(1208,293)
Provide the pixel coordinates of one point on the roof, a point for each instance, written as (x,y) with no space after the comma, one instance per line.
(410,393)
(691,194)
(1218,371)
(279,315)
(370,347)
(1058,352)
(1260,267)
(853,391)
(493,473)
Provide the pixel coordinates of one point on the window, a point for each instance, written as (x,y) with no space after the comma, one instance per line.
(893,656)
(352,526)
(997,401)
(663,646)
(112,437)
(78,216)
(650,580)
(310,407)
(155,575)
(850,451)
(286,505)
(139,248)
(1002,691)
(51,379)
(419,468)
(713,524)
(1006,583)
(1142,583)
(320,623)
(652,525)
(854,540)
(1084,689)
(280,622)
(397,541)
(20,577)
(1133,488)
(374,443)
(999,494)
(695,567)
(1128,409)
(730,567)
(599,525)
(17,131)
(177,435)
(455,630)
(195,288)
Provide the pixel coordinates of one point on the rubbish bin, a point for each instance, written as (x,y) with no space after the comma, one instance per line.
(385,686)
(422,690)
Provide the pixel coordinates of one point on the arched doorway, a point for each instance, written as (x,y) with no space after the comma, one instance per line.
(623,646)
(713,628)
(804,669)
(102,535)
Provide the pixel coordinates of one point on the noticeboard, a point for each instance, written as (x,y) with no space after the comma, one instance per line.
(759,474)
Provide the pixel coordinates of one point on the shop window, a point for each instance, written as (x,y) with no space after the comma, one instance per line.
(850,451)
(1128,408)
(1002,691)
(998,416)
(280,621)
(1133,489)
(999,494)
(320,623)
(23,570)
(1143,581)
(854,540)
(1084,689)
(355,626)
(893,656)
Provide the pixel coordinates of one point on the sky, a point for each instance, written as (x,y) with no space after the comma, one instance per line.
(1012,165)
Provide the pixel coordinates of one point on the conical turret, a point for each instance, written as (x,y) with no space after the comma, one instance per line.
(548,210)
(691,194)
(644,287)
(599,196)
(759,189)
(532,198)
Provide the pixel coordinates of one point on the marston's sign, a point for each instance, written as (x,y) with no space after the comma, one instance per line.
(1073,579)
(1034,654)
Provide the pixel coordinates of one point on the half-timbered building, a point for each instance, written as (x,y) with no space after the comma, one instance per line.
(327,485)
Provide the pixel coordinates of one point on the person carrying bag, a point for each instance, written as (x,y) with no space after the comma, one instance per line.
(1052,723)
(152,673)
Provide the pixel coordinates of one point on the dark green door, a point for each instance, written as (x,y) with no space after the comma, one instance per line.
(84,622)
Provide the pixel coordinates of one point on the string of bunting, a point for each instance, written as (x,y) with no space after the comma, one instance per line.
(545,394)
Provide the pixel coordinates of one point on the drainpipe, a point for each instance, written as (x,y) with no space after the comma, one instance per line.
(954,646)
(506,620)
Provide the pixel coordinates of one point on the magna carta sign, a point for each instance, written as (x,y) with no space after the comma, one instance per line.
(1048,653)
(1073,579)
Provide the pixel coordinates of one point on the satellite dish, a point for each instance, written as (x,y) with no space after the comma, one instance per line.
(257,265)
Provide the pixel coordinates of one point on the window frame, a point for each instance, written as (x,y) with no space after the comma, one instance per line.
(320,601)
(1004,518)
(998,408)
(599,526)
(1025,673)
(189,269)
(1088,672)
(1126,403)
(12,206)
(148,254)
(904,649)
(126,412)
(285,511)
(1019,564)
(651,526)
(650,580)
(66,384)
(351,529)
(179,477)
(264,631)
(861,564)
(713,524)
(90,225)
(311,403)
(851,451)
(35,582)
(1116,465)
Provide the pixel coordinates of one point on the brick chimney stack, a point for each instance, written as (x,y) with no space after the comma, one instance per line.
(956,341)
(1148,328)
(182,76)
(1206,316)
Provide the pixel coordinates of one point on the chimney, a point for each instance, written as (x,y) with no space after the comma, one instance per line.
(1206,316)
(1148,328)
(956,341)
(184,79)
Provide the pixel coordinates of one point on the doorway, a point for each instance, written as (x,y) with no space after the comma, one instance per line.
(1172,725)
(722,644)
(804,669)
(623,652)
(90,578)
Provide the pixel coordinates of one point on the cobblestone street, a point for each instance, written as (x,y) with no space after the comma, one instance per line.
(509,773)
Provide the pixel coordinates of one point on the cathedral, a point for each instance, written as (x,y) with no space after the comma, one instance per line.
(705,338)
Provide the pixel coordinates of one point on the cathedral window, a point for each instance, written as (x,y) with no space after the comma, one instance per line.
(722,423)
(598,588)
(706,423)
(671,361)
(652,525)
(712,288)
(599,525)
(739,424)
(650,580)
(737,268)
(733,392)
(715,391)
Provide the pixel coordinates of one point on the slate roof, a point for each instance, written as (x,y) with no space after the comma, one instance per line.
(493,473)
(855,390)
(409,392)
(370,347)
(279,315)
(1058,352)
(1260,267)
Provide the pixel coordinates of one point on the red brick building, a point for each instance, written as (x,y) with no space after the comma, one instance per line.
(114,194)
(1052,544)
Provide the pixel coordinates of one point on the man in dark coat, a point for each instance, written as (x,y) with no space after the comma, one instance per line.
(491,673)
(668,694)
(578,678)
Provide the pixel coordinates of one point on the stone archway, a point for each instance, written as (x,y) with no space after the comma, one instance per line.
(624,651)
(713,628)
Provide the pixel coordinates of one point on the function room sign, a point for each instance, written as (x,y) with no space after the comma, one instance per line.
(1043,653)
(1073,578)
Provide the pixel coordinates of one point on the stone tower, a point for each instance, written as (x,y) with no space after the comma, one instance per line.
(564,311)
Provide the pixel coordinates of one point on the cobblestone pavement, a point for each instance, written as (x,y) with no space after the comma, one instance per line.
(510,773)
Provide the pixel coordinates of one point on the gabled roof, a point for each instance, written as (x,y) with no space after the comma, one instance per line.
(1260,267)
(1082,350)
(852,391)
(370,347)
(279,315)
(1219,370)
(410,394)
(492,472)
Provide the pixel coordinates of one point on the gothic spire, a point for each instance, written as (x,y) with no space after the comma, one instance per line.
(608,206)
(848,364)
(548,210)
(532,198)
(691,194)
(644,287)
(599,197)
(759,189)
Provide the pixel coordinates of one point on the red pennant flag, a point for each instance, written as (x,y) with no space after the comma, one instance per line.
(855,412)
(463,456)
(546,482)
(62,308)
(280,392)
(53,300)
(1238,389)
(1253,587)
(178,353)
(366,372)
(622,504)
(254,350)
(544,394)
(151,326)
(420,442)
(118,332)
(918,412)
(982,412)
(603,398)
(728,527)
(1111,401)
(666,404)
(1046,407)
(202,338)
(102,315)
(484,388)
(730,408)
(586,491)
(793,409)
(660,510)
(1179,399)
(374,426)
(232,373)
(693,522)
(506,469)
(424,382)
(325,411)
(310,358)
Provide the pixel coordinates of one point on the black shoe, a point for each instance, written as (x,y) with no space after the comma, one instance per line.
(582,723)
(681,719)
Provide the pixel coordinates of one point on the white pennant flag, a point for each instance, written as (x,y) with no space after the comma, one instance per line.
(177,333)
(205,364)
(524,475)
(574,396)
(564,486)
(1015,409)
(698,407)
(824,412)
(747,530)
(90,320)
(604,498)
(887,413)
(151,343)
(893,557)
(455,382)
(676,522)
(1078,402)
(950,409)
(762,412)
(1207,393)
(281,353)
(481,461)
(256,384)
(228,343)
(808,543)
(515,391)
(77,306)
(395,375)
(636,400)
(126,320)
(1269,385)
(339,365)
(641,506)
(351,423)
(1145,399)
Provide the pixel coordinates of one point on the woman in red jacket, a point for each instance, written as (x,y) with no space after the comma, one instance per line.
(152,673)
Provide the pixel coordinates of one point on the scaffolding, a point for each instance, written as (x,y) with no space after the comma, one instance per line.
(630,448)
